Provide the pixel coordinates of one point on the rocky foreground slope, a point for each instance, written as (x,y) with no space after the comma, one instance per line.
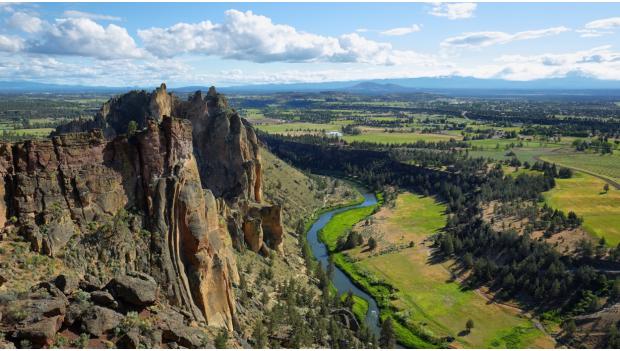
(151,200)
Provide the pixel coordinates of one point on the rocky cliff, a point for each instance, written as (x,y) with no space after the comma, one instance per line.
(152,185)
(112,207)
(226,151)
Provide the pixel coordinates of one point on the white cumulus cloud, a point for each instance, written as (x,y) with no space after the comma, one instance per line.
(251,37)
(402,30)
(484,39)
(10,43)
(85,37)
(454,11)
(25,22)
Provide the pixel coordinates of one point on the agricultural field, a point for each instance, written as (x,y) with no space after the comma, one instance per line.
(298,128)
(34,116)
(398,138)
(427,295)
(252,114)
(607,166)
(584,194)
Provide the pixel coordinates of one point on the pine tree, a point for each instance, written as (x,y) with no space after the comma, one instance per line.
(221,340)
(387,340)
(259,335)
(613,339)
(372,244)
(469,325)
(570,328)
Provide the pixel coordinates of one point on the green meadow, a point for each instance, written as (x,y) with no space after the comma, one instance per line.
(584,195)
(398,138)
(422,297)
(604,165)
(341,223)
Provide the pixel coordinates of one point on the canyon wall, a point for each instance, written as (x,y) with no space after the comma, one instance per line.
(65,188)
(152,184)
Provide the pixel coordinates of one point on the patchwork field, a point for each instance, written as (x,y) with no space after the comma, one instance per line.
(398,138)
(607,166)
(427,297)
(298,128)
(583,194)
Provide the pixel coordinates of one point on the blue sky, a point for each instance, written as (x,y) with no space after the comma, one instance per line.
(238,43)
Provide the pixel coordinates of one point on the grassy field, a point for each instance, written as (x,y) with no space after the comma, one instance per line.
(252,114)
(604,165)
(426,297)
(286,128)
(341,223)
(523,154)
(584,195)
(398,138)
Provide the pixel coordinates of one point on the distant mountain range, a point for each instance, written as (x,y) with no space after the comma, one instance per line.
(437,84)
(454,84)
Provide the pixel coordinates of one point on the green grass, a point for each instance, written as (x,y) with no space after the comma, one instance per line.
(381,292)
(252,114)
(35,131)
(604,165)
(421,296)
(533,144)
(397,138)
(584,195)
(284,128)
(529,151)
(519,337)
(511,172)
(360,307)
(341,223)
(417,214)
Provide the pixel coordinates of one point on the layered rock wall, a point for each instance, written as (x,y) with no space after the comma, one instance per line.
(224,145)
(56,189)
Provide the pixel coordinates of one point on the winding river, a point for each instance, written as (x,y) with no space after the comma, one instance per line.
(342,283)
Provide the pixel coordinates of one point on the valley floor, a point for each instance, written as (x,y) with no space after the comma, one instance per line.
(428,295)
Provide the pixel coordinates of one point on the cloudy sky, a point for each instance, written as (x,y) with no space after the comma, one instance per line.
(118,44)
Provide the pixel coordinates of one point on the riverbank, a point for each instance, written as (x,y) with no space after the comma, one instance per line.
(341,283)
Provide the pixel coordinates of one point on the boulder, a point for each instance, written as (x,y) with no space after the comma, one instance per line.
(74,312)
(41,302)
(66,283)
(90,283)
(136,289)
(98,320)
(103,298)
(131,340)
(174,330)
(40,333)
